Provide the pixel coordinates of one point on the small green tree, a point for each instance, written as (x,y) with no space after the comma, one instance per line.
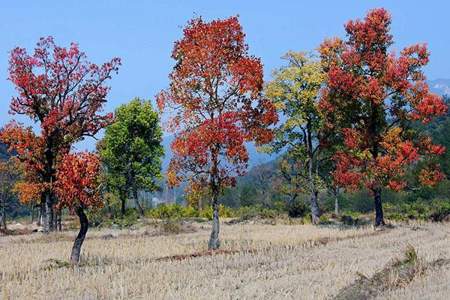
(9,175)
(295,92)
(131,151)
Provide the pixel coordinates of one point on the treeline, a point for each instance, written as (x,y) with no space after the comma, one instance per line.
(352,117)
(263,184)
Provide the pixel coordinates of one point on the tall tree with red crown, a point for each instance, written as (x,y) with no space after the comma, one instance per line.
(77,189)
(216,106)
(61,91)
(371,99)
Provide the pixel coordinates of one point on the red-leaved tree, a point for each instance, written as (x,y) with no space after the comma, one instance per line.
(216,106)
(77,189)
(61,91)
(372,98)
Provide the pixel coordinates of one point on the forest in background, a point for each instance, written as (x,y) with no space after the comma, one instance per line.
(260,191)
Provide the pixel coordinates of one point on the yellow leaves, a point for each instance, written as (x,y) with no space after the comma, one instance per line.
(299,82)
(172,178)
(392,138)
(28,192)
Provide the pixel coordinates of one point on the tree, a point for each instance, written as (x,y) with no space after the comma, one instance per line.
(77,189)
(61,91)
(217,106)
(9,174)
(371,99)
(295,92)
(131,150)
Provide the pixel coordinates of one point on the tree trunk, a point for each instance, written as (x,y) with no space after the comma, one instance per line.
(336,200)
(336,205)
(59,220)
(84,225)
(3,217)
(214,242)
(379,219)
(315,210)
(40,214)
(136,201)
(48,219)
(32,213)
(122,207)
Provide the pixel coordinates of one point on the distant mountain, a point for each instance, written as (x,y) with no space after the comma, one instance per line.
(256,157)
(440,86)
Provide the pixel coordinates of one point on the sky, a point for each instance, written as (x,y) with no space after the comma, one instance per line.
(142,34)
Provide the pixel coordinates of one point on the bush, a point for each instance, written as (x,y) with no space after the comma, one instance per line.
(224,212)
(129,219)
(250,212)
(177,211)
(440,209)
(170,227)
(171,211)
(297,209)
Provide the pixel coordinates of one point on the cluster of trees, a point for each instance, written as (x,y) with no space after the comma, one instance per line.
(344,118)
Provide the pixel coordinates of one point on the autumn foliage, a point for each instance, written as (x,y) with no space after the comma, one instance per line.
(77,181)
(372,99)
(217,105)
(216,90)
(64,93)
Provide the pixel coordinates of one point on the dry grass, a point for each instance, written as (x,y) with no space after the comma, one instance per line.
(257,261)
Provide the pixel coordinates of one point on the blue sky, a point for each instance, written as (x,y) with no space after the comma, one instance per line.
(142,33)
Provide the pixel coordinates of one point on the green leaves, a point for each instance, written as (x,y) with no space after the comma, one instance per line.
(131,150)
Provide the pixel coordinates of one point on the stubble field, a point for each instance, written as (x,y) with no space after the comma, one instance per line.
(256,261)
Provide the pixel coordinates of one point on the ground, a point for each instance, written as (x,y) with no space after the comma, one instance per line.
(257,261)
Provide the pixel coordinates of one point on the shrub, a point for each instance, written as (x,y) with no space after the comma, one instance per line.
(129,219)
(170,227)
(440,209)
(170,211)
(249,212)
(297,209)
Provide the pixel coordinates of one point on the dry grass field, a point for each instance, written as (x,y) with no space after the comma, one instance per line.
(258,261)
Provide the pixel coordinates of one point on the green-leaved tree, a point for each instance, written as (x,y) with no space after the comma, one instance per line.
(131,151)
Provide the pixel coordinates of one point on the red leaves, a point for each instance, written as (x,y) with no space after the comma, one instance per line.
(430,106)
(370,33)
(370,97)
(345,175)
(60,88)
(64,93)
(77,181)
(342,81)
(216,98)
(247,75)
(351,138)
(431,176)
(396,185)
(28,147)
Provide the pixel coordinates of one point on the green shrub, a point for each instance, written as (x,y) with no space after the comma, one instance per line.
(177,211)
(323,220)
(129,219)
(254,211)
(297,209)
(440,209)
(170,211)
(224,212)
